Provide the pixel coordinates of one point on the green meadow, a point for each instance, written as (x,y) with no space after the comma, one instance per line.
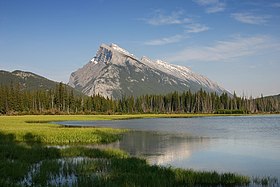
(41,130)
(29,156)
(21,127)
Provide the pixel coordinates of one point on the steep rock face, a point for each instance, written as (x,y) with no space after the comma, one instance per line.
(114,72)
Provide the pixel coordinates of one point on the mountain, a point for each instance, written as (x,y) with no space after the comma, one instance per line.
(28,81)
(114,72)
(276,97)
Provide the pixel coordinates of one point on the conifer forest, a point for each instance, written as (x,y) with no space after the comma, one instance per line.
(62,100)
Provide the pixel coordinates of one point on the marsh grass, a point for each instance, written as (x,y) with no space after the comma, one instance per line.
(33,164)
(25,160)
(41,129)
(265,181)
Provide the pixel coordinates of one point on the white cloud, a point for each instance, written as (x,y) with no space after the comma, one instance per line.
(166,40)
(225,50)
(196,28)
(216,8)
(250,18)
(161,19)
(211,6)
(276,5)
(186,25)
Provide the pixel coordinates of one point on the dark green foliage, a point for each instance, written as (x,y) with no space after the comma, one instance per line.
(62,100)
(25,80)
(194,178)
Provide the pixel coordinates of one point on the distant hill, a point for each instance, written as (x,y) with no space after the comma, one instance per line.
(272,98)
(275,97)
(268,104)
(28,81)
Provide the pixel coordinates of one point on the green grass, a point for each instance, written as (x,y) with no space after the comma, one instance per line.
(24,164)
(36,125)
(27,128)
(25,160)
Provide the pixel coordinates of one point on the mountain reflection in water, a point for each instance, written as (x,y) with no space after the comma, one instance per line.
(158,148)
(248,145)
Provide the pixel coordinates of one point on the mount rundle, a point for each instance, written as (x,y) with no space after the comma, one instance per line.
(114,72)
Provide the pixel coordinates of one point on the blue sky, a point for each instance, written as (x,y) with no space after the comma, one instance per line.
(236,43)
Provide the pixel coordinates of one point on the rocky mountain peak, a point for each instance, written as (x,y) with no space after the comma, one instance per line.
(114,72)
(120,50)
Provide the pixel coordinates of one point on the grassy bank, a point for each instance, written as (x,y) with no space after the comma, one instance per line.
(25,160)
(26,164)
(22,126)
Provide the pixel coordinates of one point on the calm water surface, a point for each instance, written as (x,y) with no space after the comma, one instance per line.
(248,145)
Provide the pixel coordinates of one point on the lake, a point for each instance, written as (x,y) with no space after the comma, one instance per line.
(248,145)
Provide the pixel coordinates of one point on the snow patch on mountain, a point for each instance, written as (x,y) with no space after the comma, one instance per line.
(114,72)
(181,72)
(121,50)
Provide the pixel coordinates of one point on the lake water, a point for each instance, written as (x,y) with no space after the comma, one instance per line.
(247,145)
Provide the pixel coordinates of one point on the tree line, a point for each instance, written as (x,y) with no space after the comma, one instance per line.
(62,100)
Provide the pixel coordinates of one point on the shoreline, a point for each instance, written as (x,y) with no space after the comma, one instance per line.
(32,132)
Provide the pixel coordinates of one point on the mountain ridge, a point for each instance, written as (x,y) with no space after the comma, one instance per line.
(26,80)
(115,72)
(29,81)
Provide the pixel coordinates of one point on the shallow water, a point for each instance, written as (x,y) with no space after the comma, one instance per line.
(247,145)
